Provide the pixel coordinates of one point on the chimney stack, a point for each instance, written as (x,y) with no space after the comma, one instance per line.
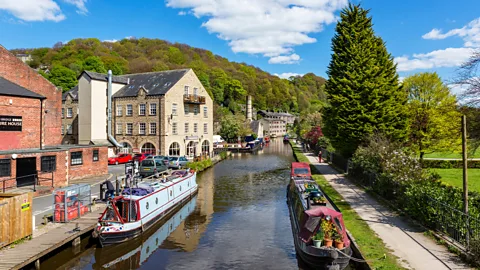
(249,108)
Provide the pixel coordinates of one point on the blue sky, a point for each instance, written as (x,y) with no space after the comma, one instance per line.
(279,36)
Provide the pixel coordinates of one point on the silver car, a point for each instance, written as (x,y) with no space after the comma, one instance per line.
(177,162)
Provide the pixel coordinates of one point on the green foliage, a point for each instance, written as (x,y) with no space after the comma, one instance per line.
(449,164)
(62,77)
(327,228)
(362,87)
(223,155)
(199,166)
(226,82)
(230,128)
(319,235)
(434,119)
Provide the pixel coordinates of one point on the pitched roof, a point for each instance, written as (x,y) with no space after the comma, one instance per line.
(72,92)
(8,88)
(103,77)
(267,113)
(155,83)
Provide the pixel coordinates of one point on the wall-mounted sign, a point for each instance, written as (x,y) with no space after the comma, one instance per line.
(25,206)
(10,123)
(191,138)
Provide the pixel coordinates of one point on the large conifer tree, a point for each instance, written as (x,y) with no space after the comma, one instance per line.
(363,90)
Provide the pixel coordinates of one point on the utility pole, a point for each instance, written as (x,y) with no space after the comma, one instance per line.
(465,178)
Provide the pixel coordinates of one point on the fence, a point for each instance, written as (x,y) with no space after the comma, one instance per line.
(71,202)
(39,179)
(336,159)
(15,217)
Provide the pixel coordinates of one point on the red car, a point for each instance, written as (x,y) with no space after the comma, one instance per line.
(140,156)
(122,158)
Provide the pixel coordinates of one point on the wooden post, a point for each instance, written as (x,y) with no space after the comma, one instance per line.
(465,176)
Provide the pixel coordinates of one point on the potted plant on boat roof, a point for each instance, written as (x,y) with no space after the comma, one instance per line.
(317,239)
(338,239)
(327,231)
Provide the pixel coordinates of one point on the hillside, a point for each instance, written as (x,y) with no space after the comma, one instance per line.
(227,82)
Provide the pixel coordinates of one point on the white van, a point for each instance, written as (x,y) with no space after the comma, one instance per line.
(217,139)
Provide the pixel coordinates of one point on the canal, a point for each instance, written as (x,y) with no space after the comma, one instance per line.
(238,220)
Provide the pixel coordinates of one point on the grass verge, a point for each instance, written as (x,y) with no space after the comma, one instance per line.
(371,246)
(454,177)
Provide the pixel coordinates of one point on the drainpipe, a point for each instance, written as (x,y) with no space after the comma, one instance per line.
(109,109)
(41,123)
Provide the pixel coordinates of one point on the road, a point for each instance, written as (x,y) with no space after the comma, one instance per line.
(43,205)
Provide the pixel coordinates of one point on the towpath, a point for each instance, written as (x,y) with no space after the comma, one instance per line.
(414,250)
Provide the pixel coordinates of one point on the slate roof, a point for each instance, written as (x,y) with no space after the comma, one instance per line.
(156,83)
(103,77)
(8,88)
(72,92)
(267,113)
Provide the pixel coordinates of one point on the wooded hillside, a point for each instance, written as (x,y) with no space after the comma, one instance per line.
(227,82)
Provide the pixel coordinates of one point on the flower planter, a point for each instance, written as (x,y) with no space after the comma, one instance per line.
(317,243)
(328,242)
(339,244)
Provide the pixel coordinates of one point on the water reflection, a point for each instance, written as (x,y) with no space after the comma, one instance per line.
(240,221)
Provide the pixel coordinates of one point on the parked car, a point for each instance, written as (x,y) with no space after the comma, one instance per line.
(140,157)
(163,158)
(150,166)
(122,158)
(177,162)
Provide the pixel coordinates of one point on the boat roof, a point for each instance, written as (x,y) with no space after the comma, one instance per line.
(300,165)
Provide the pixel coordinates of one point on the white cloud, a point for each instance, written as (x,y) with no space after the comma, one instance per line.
(110,40)
(39,10)
(400,79)
(182,13)
(287,75)
(268,27)
(470,33)
(450,57)
(80,4)
(129,37)
(285,59)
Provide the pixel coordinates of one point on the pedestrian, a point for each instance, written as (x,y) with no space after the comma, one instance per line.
(110,189)
(320,156)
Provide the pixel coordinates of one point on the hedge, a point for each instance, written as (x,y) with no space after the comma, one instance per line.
(449,164)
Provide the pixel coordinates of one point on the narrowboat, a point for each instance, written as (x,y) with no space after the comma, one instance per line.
(286,139)
(319,232)
(267,139)
(139,207)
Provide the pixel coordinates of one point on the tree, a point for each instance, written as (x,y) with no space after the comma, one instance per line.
(469,77)
(362,87)
(62,77)
(229,128)
(434,119)
(95,64)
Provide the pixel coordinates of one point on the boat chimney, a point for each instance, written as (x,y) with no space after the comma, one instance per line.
(308,203)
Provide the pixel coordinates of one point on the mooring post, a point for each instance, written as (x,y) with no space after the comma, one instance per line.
(37,264)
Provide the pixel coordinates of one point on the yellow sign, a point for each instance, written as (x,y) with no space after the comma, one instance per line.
(25,206)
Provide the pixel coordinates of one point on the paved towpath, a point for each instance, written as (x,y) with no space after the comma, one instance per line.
(407,241)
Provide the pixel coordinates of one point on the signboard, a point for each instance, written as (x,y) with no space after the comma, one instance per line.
(25,206)
(191,138)
(10,123)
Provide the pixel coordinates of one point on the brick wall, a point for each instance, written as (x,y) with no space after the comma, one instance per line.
(14,70)
(89,167)
(29,110)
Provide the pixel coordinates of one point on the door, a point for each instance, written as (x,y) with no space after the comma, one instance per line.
(26,171)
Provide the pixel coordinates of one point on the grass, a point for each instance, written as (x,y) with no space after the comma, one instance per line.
(452,155)
(454,177)
(370,245)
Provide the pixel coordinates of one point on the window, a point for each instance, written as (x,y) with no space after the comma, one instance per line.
(206,147)
(186,128)
(129,128)
(205,128)
(186,90)
(5,168)
(63,130)
(187,109)
(153,108)
(173,150)
(69,129)
(129,110)
(141,128)
(174,109)
(48,163)
(148,148)
(63,113)
(69,112)
(141,109)
(174,128)
(191,149)
(195,127)
(119,128)
(195,110)
(195,91)
(95,155)
(76,158)
(119,110)
(153,128)
(205,111)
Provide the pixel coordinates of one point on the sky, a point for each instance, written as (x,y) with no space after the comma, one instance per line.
(283,37)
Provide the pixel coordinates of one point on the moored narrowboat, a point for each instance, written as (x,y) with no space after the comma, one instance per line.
(319,232)
(139,208)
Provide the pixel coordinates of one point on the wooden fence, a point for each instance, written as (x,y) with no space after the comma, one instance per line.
(15,217)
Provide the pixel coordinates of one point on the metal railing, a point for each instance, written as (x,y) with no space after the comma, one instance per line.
(194,99)
(37,179)
(336,159)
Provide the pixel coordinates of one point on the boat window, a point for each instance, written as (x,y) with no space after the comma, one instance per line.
(301,171)
(146,205)
(156,200)
(110,215)
(339,225)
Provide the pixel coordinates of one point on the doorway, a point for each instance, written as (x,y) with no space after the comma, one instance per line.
(26,171)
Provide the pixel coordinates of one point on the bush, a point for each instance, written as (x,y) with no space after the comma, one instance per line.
(449,164)
(200,165)
(223,154)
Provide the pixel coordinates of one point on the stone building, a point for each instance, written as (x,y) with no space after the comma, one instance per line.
(165,113)
(70,116)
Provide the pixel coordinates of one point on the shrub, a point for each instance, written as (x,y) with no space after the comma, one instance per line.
(449,164)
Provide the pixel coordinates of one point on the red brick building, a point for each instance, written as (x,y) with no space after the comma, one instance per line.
(30,132)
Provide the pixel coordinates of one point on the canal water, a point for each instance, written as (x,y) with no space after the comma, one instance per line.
(238,220)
